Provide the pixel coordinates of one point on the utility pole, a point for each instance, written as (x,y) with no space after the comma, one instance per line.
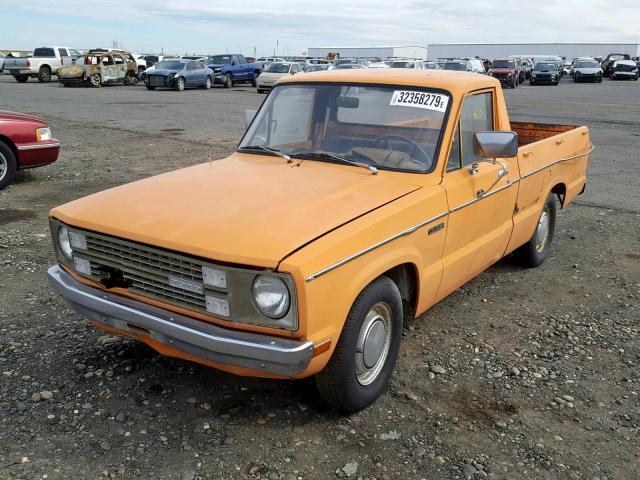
(277,47)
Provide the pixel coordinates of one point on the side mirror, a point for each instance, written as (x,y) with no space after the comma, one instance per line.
(495,144)
(248,117)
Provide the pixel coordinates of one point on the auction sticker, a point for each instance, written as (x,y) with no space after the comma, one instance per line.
(430,101)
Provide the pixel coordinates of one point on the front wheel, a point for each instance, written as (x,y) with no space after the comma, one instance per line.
(366,353)
(149,87)
(254,80)
(532,83)
(95,80)
(228,81)
(180,84)
(8,165)
(535,251)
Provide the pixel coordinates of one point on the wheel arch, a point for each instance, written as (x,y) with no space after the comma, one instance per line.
(12,146)
(45,65)
(560,190)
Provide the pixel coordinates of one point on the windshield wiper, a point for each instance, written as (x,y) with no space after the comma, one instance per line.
(268,149)
(319,155)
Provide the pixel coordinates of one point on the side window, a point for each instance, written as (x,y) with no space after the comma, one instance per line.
(199,66)
(74,53)
(107,60)
(118,59)
(63,52)
(191,66)
(476,116)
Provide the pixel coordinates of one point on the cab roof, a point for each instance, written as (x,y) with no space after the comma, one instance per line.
(455,82)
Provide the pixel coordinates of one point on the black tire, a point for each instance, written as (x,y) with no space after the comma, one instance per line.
(532,83)
(339,383)
(131,79)
(260,90)
(149,87)
(228,81)
(21,78)
(535,251)
(208,83)
(8,165)
(513,84)
(254,80)
(140,73)
(180,84)
(44,74)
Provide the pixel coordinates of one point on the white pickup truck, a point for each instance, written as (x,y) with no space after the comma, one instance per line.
(44,62)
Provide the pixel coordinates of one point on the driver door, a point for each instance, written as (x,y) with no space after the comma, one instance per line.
(481,205)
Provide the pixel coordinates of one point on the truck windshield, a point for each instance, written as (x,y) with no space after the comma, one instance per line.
(44,52)
(278,68)
(392,128)
(169,65)
(218,60)
(503,64)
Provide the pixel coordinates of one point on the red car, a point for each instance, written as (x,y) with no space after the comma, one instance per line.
(506,70)
(25,142)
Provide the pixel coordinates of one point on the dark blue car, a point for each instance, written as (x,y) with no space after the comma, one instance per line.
(179,74)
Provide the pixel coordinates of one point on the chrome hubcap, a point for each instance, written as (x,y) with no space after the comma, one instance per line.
(542,233)
(374,340)
(4,166)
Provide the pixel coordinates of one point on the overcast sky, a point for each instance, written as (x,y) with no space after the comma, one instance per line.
(206,26)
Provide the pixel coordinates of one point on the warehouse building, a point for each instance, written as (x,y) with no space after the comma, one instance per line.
(495,50)
(382,53)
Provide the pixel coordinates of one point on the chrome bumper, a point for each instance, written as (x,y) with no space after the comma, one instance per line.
(241,349)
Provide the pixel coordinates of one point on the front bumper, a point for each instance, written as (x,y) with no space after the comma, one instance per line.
(253,351)
(539,79)
(620,74)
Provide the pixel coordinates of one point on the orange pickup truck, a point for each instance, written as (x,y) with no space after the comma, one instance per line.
(356,199)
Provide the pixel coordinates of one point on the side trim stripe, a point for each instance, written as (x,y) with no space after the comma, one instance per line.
(410,230)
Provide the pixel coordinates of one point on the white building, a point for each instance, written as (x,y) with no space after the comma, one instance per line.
(496,50)
(382,53)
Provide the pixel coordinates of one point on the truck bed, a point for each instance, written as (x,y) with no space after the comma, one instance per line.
(533,132)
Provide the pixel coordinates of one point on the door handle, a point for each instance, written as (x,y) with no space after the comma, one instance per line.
(503,172)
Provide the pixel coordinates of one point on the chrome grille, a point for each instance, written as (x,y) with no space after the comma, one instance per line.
(147,270)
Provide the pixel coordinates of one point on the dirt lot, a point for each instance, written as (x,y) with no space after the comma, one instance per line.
(540,367)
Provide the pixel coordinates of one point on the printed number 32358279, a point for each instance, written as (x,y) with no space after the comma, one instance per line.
(428,100)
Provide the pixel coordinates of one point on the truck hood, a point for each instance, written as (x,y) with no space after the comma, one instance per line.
(245,209)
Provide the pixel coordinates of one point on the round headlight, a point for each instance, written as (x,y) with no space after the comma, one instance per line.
(271,296)
(64,244)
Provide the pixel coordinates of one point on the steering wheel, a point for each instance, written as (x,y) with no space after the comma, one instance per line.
(383,142)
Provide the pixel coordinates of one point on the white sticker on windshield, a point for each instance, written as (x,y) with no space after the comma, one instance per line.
(430,101)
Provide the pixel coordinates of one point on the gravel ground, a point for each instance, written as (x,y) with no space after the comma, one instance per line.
(519,374)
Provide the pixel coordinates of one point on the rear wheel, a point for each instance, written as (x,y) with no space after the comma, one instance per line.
(208,83)
(532,83)
(8,165)
(366,353)
(535,251)
(44,74)
(21,78)
(131,79)
(149,87)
